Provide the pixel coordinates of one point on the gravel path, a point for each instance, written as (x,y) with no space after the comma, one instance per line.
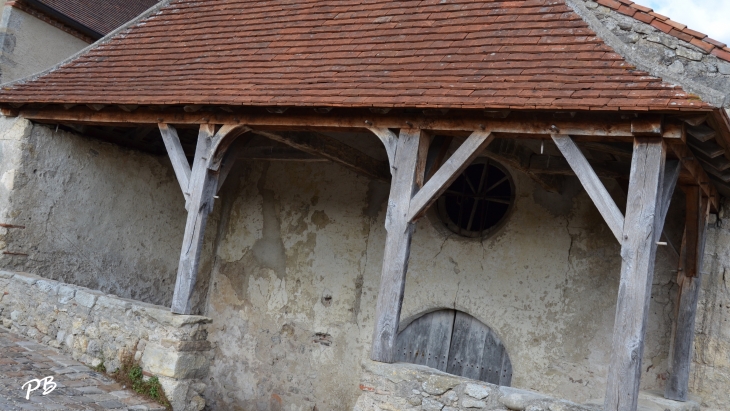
(78,387)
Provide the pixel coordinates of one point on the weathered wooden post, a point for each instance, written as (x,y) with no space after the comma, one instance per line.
(689,278)
(405,206)
(397,246)
(199,186)
(642,228)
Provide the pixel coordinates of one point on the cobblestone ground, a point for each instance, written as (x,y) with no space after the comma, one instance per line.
(78,386)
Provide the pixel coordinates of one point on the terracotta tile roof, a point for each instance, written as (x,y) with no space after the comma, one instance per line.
(668,26)
(102,16)
(520,54)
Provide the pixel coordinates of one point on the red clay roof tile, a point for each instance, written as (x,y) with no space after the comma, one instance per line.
(519,54)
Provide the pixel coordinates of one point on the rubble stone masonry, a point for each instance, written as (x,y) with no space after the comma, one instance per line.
(98,328)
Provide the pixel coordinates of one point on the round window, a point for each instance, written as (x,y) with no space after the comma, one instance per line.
(479,200)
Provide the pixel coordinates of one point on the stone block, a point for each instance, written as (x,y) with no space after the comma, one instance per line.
(176,391)
(472,403)
(689,54)
(186,345)
(85,298)
(6,274)
(113,303)
(66,293)
(516,399)
(49,287)
(450,397)
(429,404)
(162,361)
(26,278)
(476,391)
(166,317)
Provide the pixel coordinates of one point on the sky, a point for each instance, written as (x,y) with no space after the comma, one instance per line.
(711,17)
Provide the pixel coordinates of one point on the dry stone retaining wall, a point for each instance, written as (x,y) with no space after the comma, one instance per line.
(413,387)
(97,328)
(409,387)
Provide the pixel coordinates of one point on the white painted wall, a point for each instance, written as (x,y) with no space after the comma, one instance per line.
(30,45)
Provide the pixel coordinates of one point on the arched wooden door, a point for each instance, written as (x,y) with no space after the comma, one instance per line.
(457,343)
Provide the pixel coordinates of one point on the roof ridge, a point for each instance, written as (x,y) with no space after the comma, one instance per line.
(665,24)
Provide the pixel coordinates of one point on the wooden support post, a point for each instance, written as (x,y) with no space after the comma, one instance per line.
(203,185)
(689,278)
(641,230)
(397,246)
(408,174)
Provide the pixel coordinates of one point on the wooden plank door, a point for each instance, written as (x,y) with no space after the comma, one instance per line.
(426,340)
(456,343)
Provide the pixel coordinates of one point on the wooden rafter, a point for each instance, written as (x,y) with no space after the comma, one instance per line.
(327,147)
(697,174)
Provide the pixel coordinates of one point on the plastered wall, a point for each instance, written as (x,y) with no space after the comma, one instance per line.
(292,261)
(297,269)
(95,214)
(30,45)
(710,371)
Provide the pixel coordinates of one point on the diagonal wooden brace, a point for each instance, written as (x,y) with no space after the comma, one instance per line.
(592,184)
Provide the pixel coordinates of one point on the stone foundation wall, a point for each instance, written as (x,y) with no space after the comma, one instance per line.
(97,328)
(413,387)
(409,387)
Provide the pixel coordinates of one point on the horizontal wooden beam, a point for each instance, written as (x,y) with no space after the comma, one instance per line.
(276,154)
(603,130)
(336,151)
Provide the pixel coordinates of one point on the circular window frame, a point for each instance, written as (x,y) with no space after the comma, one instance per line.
(453,228)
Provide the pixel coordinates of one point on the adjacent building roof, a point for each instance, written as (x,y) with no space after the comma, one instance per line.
(519,54)
(667,25)
(102,17)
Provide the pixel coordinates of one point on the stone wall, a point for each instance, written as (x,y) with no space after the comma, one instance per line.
(96,328)
(658,53)
(93,214)
(408,387)
(710,371)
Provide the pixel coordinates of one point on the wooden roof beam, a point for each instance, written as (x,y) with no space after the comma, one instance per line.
(585,130)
